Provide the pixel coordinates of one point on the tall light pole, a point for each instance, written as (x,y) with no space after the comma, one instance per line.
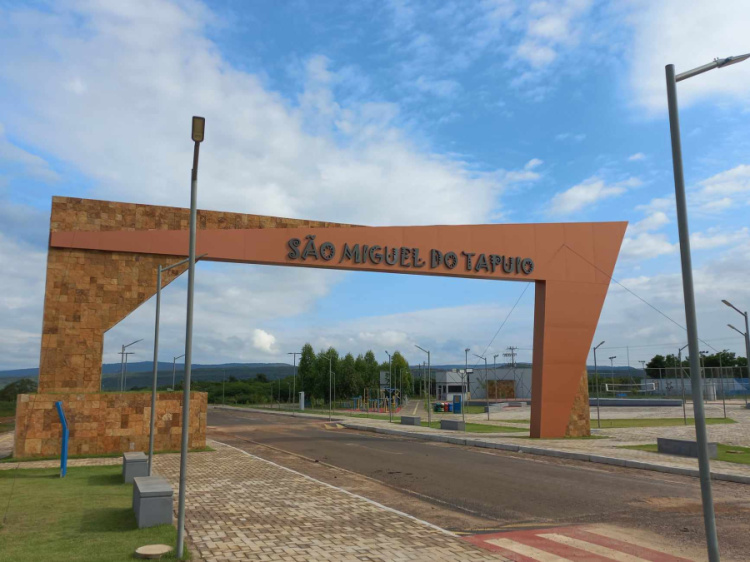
(746,334)
(198,133)
(429,386)
(295,353)
(612,365)
(486,386)
(390,384)
(596,375)
(709,519)
(682,380)
(463,387)
(124,363)
(330,383)
(152,422)
(174,368)
(494,372)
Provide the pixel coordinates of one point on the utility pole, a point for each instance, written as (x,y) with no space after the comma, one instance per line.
(512,354)
(463,389)
(429,385)
(746,335)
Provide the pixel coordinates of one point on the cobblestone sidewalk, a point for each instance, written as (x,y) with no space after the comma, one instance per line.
(241,507)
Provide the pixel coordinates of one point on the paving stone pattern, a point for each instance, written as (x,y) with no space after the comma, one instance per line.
(240,507)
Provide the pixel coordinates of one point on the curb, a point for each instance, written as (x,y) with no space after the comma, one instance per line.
(275,412)
(473,442)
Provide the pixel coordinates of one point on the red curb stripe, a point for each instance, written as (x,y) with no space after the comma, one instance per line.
(511,555)
(560,549)
(626,547)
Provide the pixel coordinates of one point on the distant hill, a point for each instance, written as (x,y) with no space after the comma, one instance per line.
(140,373)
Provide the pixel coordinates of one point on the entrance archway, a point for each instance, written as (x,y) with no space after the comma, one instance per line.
(103,256)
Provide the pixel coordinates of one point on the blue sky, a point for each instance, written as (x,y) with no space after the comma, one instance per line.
(380,113)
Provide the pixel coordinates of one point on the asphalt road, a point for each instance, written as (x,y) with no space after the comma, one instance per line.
(492,488)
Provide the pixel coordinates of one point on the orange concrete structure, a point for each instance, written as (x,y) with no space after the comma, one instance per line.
(570,265)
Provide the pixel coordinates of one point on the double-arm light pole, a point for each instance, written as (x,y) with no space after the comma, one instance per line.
(174,368)
(746,335)
(124,364)
(428,387)
(689,294)
(682,380)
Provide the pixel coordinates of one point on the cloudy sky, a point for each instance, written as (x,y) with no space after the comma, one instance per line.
(380,113)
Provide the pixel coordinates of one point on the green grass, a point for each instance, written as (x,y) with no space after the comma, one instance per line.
(99,456)
(7,409)
(481,428)
(643,422)
(728,453)
(656,422)
(85,516)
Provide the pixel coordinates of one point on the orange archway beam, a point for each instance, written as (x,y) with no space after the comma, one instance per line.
(571,265)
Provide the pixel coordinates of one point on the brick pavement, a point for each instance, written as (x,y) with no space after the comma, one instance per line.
(241,507)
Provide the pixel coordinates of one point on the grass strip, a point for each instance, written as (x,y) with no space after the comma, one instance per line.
(86,516)
(727,453)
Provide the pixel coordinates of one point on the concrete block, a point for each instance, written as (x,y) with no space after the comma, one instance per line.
(152,501)
(453,425)
(607,460)
(411,420)
(684,448)
(133,465)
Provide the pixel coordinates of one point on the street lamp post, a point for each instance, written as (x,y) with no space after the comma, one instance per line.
(463,387)
(295,353)
(596,375)
(124,364)
(174,368)
(494,372)
(152,422)
(682,380)
(390,389)
(429,386)
(746,335)
(486,386)
(709,519)
(330,383)
(612,365)
(198,133)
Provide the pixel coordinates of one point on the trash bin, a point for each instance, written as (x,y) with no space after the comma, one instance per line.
(450,407)
(438,406)
(457,404)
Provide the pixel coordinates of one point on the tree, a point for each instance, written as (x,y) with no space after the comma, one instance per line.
(260,377)
(372,372)
(23,386)
(306,369)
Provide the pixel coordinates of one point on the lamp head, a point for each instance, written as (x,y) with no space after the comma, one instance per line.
(199,128)
(732,60)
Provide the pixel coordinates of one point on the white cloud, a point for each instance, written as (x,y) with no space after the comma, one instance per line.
(688,35)
(315,157)
(636,157)
(646,245)
(716,237)
(587,193)
(533,163)
(652,222)
(32,164)
(573,137)
(263,341)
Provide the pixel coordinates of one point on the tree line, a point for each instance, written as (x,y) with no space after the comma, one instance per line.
(723,358)
(349,375)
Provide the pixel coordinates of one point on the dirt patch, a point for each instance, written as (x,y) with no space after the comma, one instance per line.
(688,505)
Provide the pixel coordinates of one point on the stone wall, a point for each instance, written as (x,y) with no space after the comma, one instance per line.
(106,422)
(579,423)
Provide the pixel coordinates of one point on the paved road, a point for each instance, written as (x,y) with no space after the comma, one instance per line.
(502,489)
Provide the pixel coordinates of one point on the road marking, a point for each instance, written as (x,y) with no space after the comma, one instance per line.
(593,548)
(527,551)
